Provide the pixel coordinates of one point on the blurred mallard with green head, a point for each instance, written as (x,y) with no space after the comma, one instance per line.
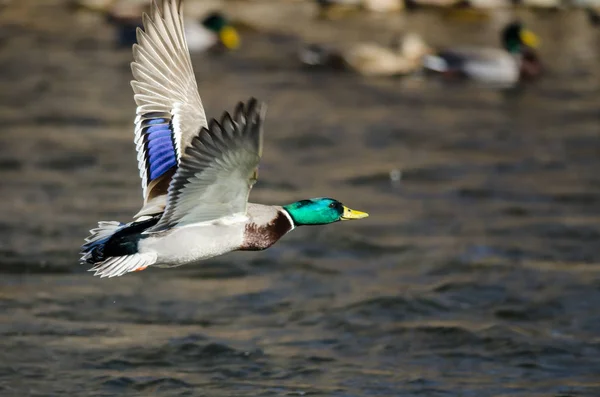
(403,56)
(210,29)
(196,174)
(516,61)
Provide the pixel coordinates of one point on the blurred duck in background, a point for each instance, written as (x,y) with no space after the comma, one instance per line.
(541,4)
(337,8)
(516,61)
(404,56)
(483,4)
(333,9)
(591,8)
(209,29)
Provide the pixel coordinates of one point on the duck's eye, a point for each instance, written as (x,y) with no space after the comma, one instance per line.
(333,205)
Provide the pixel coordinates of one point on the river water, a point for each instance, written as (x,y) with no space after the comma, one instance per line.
(477,273)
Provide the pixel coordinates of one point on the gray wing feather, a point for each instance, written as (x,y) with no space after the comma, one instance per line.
(119,265)
(164,80)
(478,54)
(215,176)
(489,64)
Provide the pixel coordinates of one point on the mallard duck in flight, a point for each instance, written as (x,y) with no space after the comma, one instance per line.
(196,175)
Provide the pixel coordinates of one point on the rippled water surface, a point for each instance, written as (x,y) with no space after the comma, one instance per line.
(477,273)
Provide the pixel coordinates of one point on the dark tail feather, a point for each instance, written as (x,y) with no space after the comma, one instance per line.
(93,249)
(112,248)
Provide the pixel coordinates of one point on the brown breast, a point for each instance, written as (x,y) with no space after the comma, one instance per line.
(260,237)
(530,65)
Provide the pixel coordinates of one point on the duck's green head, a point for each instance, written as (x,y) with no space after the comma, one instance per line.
(320,211)
(515,37)
(228,35)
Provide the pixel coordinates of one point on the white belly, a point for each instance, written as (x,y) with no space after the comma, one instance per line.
(494,66)
(193,243)
(198,38)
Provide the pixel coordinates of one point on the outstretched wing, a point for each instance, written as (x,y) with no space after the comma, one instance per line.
(169,109)
(218,170)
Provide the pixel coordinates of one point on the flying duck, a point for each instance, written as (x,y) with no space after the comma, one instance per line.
(196,174)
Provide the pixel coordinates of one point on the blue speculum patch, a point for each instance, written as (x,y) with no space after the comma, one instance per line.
(159,146)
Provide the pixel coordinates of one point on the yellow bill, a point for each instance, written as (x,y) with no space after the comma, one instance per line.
(230,37)
(352,214)
(529,38)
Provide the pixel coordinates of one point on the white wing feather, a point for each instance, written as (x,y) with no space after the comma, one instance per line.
(164,82)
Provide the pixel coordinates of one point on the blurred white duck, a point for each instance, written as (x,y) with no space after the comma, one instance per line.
(196,174)
(370,59)
(207,29)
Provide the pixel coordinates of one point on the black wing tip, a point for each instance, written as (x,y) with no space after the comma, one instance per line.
(212,124)
(253,108)
(244,113)
(249,113)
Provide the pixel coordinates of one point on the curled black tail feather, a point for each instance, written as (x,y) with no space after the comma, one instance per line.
(93,250)
(112,239)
